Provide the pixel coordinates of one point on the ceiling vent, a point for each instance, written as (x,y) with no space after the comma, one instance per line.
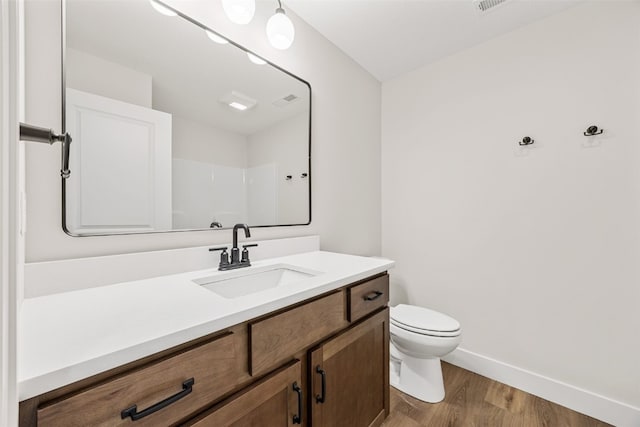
(483,6)
(287,100)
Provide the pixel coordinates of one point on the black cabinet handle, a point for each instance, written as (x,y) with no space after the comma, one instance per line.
(187,387)
(323,392)
(297,419)
(373,295)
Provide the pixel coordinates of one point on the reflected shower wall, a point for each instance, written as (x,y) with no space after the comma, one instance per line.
(204,193)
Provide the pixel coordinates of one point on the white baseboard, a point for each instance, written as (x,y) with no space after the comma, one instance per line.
(583,401)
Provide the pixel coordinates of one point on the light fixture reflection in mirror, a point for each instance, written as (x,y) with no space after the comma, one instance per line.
(162,9)
(238,106)
(238,101)
(255,59)
(216,38)
(239,11)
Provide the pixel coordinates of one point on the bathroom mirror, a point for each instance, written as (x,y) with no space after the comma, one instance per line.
(175,128)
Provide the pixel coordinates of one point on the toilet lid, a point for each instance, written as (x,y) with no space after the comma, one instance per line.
(423,320)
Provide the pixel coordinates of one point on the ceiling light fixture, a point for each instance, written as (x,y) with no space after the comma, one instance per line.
(216,38)
(239,11)
(255,59)
(280,30)
(238,101)
(162,8)
(238,106)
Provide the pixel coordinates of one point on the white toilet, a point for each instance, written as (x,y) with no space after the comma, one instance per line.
(419,338)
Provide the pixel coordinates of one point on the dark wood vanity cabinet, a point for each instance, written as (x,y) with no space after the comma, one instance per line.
(350,376)
(275,401)
(321,362)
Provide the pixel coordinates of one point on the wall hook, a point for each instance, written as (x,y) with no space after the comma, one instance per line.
(593,130)
(288,177)
(304,175)
(526,141)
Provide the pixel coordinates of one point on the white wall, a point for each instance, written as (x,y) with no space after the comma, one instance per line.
(92,74)
(346,139)
(197,141)
(280,144)
(535,251)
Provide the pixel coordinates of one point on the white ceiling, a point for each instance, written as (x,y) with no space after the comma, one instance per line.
(391,37)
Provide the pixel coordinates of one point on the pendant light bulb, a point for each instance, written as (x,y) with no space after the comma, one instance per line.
(280,30)
(239,11)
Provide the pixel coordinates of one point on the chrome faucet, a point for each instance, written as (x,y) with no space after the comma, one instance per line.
(236,261)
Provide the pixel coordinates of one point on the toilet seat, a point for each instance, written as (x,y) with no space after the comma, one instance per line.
(427,332)
(423,321)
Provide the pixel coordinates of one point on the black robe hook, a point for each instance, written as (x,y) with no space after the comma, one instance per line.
(526,141)
(593,130)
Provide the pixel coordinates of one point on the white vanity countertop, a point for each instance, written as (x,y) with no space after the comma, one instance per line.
(70,336)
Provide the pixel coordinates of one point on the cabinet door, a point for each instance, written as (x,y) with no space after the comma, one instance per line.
(275,401)
(350,376)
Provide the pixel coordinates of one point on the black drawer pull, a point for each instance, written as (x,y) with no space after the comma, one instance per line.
(373,295)
(187,387)
(297,419)
(323,392)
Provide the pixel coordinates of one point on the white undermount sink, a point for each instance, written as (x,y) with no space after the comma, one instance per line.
(240,283)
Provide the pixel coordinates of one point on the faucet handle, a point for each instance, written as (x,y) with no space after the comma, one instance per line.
(224,255)
(245,252)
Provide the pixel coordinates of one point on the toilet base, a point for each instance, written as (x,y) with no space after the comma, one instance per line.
(420,378)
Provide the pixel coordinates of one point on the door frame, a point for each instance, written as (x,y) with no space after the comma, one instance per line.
(11,201)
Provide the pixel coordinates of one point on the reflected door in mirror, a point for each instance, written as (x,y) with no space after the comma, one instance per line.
(121,179)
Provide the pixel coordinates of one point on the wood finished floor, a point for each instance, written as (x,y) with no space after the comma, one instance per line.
(476,401)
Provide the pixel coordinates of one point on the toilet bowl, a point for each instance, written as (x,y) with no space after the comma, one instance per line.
(419,338)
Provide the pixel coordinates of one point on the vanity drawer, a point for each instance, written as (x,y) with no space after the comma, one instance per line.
(367,297)
(208,371)
(275,339)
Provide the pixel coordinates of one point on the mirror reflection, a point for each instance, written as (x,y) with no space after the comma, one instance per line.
(175,128)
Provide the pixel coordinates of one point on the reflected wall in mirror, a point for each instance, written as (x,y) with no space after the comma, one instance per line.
(173,130)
